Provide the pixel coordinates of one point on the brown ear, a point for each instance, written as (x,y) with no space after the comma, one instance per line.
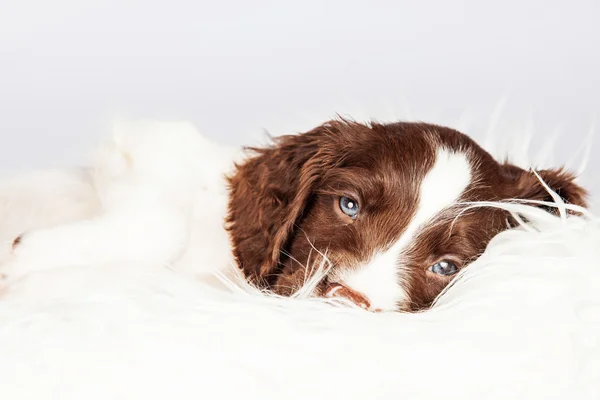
(268,194)
(527,186)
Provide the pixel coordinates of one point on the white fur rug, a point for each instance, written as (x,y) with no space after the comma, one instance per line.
(523,322)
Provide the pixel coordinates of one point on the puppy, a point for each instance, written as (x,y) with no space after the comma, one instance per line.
(380,203)
(154,196)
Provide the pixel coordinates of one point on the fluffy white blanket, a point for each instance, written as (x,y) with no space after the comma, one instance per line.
(523,322)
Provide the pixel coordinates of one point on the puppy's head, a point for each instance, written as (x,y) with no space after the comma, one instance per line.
(379,202)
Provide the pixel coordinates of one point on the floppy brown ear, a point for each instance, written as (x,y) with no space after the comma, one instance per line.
(267,196)
(527,186)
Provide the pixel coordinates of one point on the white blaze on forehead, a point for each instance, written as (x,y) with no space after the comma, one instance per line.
(381,280)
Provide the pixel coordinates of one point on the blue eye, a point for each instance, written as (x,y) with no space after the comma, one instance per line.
(349,206)
(445,268)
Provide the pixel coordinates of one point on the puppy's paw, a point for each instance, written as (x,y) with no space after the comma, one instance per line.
(16,242)
(28,252)
(16,247)
(7,269)
(8,260)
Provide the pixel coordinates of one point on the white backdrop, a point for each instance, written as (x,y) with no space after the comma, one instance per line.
(236,68)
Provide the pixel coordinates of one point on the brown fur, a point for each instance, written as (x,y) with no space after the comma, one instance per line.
(284,203)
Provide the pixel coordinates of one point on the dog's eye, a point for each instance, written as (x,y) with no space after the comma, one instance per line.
(349,206)
(445,268)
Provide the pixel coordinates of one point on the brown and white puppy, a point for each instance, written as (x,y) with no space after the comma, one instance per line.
(380,201)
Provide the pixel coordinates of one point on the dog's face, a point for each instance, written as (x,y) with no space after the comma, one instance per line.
(380,202)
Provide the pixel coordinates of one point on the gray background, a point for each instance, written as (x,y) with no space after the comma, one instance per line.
(237,68)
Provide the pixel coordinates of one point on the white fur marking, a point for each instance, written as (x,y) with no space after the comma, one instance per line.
(379,280)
